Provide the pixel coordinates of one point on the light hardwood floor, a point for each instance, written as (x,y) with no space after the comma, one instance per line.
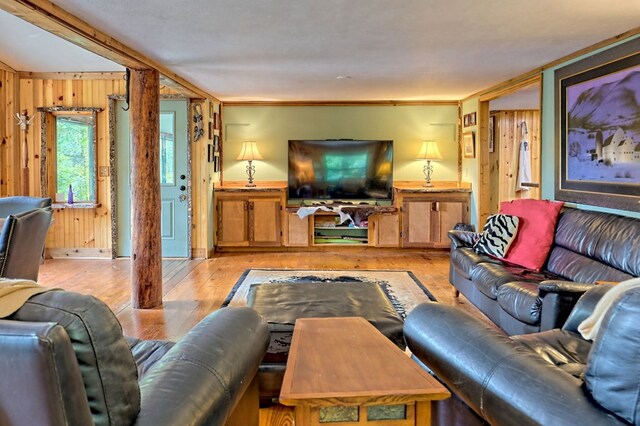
(193,289)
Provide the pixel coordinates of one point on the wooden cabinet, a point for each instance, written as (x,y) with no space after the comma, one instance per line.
(248,219)
(384,230)
(297,231)
(426,218)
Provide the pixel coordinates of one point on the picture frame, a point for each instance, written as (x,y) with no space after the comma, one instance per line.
(216,121)
(469,145)
(216,163)
(597,145)
(492,121)
(473,119)
(210,130)
(210,153)
(216,143)
(465,120)
(211,110)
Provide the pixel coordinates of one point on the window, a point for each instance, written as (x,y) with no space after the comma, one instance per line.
(75,156)
(68,153)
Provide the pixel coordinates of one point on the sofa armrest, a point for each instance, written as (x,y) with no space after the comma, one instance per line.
(41,381)
(462,238)
(202,378)
(563,287)
(498,378)
(558,300)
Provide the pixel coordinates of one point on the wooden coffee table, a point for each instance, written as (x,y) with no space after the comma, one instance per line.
(343,369)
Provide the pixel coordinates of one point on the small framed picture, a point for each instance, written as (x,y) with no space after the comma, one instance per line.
(210,153)
(210,130)
(210,109)
(469,145)
(465,120)
(492,121)
(216,163)
(216,120)
(216,143)
(472,119)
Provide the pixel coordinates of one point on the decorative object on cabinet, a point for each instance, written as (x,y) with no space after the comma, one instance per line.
(596,133)
(249,152)
(469,145)
(429,152)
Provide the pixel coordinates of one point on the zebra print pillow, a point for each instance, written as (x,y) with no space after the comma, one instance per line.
(497,235)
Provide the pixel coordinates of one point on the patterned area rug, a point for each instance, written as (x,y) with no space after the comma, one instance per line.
(402,288)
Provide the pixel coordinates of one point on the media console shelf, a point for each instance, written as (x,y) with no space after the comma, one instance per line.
(419,217)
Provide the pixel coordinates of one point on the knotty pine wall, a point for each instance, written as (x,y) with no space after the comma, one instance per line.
(87,232)
(505,158)
(9,131)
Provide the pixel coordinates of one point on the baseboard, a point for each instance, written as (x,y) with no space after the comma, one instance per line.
(201,253)
(80,253)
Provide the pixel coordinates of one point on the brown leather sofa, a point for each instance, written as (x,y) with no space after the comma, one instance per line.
(588,247)
(65,362)
(554,377)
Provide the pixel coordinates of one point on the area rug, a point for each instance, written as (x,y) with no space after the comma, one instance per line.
(402,288)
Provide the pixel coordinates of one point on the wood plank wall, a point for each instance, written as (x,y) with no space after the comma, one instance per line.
(504,159)
(9,132)
(87,232)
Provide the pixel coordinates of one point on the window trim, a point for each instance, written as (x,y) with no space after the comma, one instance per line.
(47,145)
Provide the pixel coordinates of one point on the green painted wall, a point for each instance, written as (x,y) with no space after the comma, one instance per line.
(470,165)
(549,135)
(273,126)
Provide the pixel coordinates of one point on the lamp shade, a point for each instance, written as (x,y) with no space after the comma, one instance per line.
(249,151)
(429,151)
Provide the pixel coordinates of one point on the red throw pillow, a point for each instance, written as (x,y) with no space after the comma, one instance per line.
(536,231)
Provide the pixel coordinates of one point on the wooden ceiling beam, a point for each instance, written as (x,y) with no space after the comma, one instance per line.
(51,18)
(71,75)
(5,67)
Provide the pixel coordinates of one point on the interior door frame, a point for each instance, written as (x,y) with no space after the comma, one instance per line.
(482,142)
(113,99)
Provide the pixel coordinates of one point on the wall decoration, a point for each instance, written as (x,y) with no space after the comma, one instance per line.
(211,110)
(210,153)
(210,135)
(216,120)
(216,143)
(469,119)
(469,145)
(198,127)
(598,129)
(216,163)
(492,120)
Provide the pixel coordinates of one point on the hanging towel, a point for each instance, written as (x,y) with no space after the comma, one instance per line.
(524,163)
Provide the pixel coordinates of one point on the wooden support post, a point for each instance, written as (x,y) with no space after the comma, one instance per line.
(146,243)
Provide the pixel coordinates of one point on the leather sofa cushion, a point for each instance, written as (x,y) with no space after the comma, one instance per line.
(612,374)
(465,258)
(488,277)
(106,364)
(147,352)
(564,349)
(521,301)
(582,269)
(612,240)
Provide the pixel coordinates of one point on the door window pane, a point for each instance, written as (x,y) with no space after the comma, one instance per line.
(167,148)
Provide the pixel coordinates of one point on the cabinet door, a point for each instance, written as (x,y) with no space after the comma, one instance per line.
(232,223)
(449,214)
(297,231)
(264,222)
(417,217)
(387,231)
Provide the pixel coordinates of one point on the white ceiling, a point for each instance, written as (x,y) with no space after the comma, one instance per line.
(296,49)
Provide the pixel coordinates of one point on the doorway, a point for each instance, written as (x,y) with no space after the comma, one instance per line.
(174,180)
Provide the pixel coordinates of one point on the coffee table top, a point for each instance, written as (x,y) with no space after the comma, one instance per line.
(339,361)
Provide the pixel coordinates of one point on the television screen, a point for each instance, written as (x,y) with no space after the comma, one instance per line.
(341,169)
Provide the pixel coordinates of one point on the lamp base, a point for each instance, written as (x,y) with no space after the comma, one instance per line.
(250,185)
(428,184)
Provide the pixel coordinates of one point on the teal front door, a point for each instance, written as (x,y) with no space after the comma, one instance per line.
(173,179)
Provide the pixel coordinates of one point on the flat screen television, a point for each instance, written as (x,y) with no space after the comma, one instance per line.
(341,169)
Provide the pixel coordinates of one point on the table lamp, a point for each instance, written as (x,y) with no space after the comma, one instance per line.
(249,152)
(428,151)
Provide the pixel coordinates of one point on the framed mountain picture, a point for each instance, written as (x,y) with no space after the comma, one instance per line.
(598,129)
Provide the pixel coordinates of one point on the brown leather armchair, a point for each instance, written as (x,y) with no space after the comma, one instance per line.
(65,362)
(22,242)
